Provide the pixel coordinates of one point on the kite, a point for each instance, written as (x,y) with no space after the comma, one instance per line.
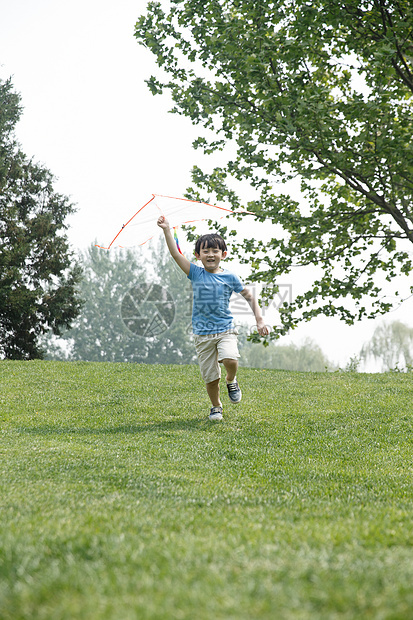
(142,226)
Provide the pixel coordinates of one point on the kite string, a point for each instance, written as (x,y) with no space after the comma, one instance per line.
(175,227)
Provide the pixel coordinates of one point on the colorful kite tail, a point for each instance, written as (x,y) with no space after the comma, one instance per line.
(176,240)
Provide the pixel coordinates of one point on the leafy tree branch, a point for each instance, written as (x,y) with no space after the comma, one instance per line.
(319,92)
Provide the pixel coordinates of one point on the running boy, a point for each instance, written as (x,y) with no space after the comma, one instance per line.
(212,322)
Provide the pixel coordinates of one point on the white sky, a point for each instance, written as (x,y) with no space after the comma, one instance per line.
(90,118)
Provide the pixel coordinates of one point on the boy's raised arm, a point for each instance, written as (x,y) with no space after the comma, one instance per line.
(180,259)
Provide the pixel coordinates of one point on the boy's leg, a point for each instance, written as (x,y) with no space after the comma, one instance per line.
(234,391)
(210,371)
(228,354)
(213,393)
(231,366)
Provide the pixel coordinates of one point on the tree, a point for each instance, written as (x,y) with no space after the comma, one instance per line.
(136,309)
(391,345)
(316,91)
(38,272)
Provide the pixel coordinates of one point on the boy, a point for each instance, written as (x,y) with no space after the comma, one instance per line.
(212,322)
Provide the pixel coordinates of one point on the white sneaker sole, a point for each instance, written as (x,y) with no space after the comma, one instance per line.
(215,417)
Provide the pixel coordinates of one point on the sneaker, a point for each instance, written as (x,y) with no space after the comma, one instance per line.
(234,392)
(216,414)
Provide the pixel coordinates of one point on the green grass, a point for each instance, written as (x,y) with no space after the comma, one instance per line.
(119,500)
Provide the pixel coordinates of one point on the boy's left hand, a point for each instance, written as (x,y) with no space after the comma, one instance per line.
(263,329)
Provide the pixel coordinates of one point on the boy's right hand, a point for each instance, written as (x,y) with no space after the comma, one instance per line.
(162,222)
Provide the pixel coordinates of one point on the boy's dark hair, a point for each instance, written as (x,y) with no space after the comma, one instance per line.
(212,240)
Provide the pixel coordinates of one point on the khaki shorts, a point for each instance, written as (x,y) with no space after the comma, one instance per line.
(212,349)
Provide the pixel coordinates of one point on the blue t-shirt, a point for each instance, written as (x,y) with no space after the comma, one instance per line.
(211,295)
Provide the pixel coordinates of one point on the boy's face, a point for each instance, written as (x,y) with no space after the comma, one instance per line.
(210,258)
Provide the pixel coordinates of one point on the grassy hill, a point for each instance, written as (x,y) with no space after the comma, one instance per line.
(120,500)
